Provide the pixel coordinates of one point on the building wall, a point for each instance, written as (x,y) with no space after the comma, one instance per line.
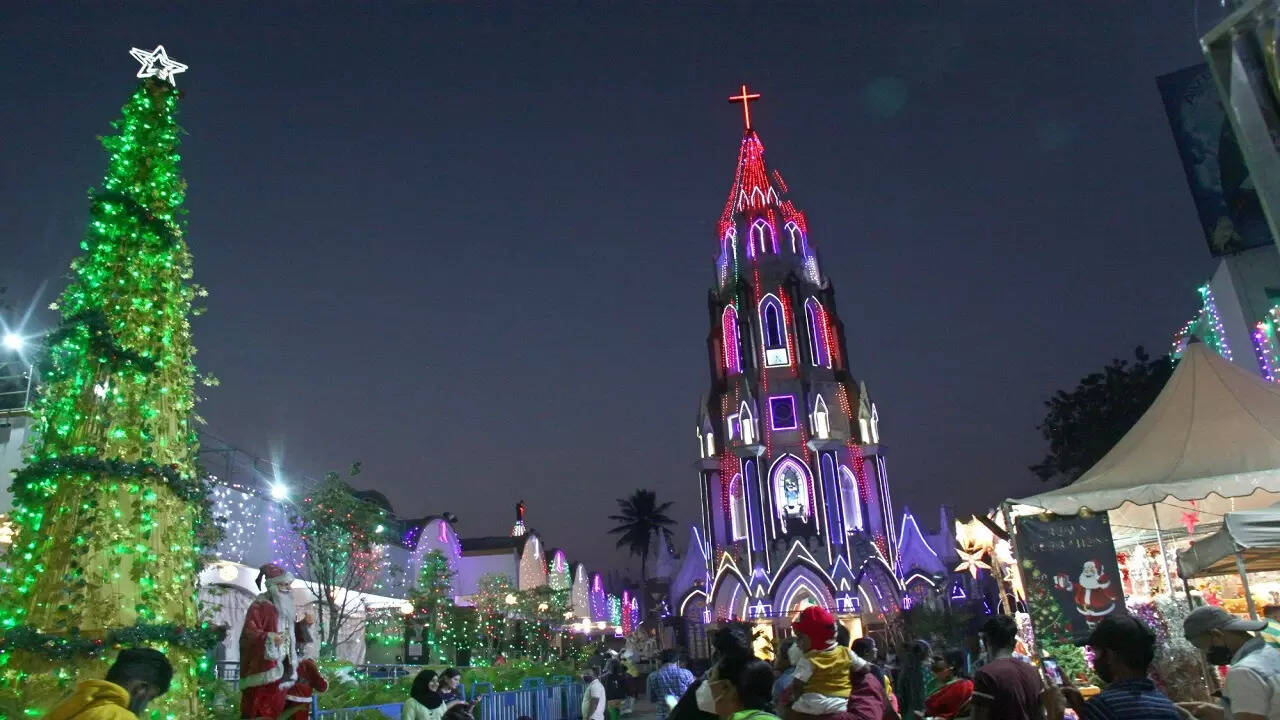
(474,567)
(14,433)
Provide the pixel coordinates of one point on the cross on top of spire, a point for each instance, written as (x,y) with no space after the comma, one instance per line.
(745,99)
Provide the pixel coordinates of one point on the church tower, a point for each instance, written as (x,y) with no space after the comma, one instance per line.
(795,502)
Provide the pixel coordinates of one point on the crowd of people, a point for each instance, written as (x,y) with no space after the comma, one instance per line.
(820,674)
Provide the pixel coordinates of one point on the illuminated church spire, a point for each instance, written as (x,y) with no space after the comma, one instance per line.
(790,482)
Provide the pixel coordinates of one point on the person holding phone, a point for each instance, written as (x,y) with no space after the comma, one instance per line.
(1123,649)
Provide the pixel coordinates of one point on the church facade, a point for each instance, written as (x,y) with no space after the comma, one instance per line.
(795,500)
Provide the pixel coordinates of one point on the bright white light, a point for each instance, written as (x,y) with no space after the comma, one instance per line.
(14,341)
(279,491)
(227,572)
(157,63)
(379,529)
(406,608)
(511,599)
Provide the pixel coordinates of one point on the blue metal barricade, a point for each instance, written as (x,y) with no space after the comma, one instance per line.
(391,710)
(561,699)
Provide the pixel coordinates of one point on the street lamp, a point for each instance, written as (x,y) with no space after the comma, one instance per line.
(279,491)
(14,341)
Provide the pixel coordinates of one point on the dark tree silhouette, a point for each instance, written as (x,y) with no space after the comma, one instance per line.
(642,519)
(1083,425)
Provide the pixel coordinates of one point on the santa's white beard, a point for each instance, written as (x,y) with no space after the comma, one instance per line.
(282,599)
(1092,583)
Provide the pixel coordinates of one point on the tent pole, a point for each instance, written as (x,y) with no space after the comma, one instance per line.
(1186,588)
(1244,580)
(1164,558)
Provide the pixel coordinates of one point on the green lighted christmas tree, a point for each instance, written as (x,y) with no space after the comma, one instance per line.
(433,605)
(107,508)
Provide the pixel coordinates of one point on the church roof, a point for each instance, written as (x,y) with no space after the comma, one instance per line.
(757,189)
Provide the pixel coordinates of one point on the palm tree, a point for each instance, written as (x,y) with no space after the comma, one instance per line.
(641,520)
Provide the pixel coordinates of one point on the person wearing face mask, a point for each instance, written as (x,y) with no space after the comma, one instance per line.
(1252,689)
(739,689)
(138,676)
(1123,650)
(729,644)
(593,696)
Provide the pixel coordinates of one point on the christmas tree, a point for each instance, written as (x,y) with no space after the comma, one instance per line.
(107,508)
(432,603)
(1047,618)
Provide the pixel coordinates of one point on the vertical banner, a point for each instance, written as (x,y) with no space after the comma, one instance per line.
(1069,569)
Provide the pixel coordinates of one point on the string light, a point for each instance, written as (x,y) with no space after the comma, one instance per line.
(110,512)
(754,207)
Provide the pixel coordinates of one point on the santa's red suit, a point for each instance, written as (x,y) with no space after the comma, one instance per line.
(1095,595)
(267,650)
(298,697)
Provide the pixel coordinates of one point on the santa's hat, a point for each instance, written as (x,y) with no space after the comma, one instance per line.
(273,574)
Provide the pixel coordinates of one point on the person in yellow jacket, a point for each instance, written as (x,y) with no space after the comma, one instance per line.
(138,676)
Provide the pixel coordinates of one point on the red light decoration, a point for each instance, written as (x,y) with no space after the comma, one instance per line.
(745,99)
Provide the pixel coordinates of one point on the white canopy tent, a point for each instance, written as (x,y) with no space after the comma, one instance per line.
(1212,436)
(1248,541)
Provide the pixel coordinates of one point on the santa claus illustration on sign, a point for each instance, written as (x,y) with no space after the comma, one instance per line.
(1096,594)
(268,650)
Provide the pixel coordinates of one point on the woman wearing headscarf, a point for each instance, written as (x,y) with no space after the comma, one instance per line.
(425,702)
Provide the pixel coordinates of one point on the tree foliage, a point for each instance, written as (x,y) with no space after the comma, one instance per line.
(642,520)
(337,531)
(432,601)
(1081,426)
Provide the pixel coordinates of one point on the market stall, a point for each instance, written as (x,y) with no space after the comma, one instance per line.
(1248,542)
(1207,447)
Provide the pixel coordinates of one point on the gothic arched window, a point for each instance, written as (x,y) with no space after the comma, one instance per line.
(816,317)
(790,481)
(797,238)
(850,501)
(737,508)
(762,237)
(821,419)
(729,329)
(773,332)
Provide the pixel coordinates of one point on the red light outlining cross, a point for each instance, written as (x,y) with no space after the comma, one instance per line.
(745,99)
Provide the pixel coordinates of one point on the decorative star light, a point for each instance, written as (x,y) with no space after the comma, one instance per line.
(972,561)
(157,63)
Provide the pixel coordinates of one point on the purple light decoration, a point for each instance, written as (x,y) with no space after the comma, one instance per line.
(729,331)
(772,325)
(782,409)
(760,229)
(817,332)
(790,462)
(957,592)
(1259,350)
(798,582)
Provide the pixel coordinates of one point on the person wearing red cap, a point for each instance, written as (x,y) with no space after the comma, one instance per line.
(821,684)
(268,651)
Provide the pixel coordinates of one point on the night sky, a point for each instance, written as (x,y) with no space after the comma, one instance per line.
(470,245)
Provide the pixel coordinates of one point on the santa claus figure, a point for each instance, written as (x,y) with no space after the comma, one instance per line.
(1096,596)
(268,651)
(298,696)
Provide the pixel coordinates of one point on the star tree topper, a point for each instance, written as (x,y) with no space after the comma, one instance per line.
(157,63)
